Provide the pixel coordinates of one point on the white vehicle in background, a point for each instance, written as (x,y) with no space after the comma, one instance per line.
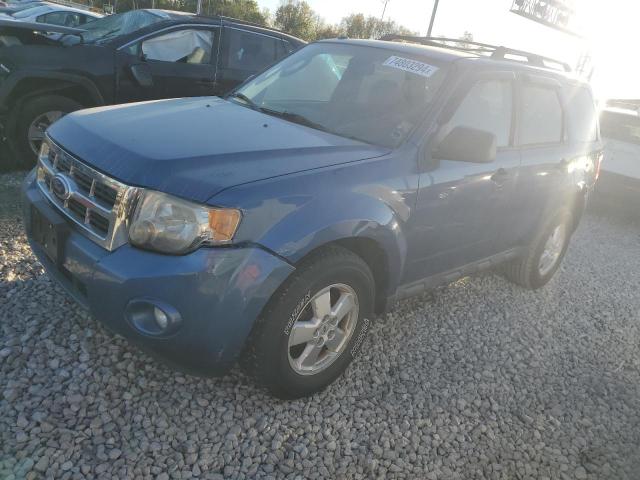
(619,182)
(53,14)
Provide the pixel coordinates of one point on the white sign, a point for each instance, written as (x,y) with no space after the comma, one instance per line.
(409,65)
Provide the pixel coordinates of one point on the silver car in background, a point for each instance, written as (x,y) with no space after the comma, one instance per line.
(619,182)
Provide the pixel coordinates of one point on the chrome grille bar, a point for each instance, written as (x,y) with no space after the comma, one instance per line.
(100,211)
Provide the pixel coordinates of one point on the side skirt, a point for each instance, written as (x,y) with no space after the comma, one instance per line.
(416,288)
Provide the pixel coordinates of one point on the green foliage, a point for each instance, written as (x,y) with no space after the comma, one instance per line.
(240,9)
(297,18)
(292,16)
(359,26)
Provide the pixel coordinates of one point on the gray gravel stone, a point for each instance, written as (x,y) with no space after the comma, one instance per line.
(478,379)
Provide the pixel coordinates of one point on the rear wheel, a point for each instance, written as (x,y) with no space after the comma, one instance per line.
(36,116)
(544,255)
(313,326)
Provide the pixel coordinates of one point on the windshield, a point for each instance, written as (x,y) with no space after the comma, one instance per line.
(28,12)
(375,95)
(112,26)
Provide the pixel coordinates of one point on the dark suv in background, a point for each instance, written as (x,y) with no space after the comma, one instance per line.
(134,56)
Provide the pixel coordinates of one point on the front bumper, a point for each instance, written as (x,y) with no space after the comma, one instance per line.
(219,292)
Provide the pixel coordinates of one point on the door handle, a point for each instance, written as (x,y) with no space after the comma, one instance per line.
(500,176)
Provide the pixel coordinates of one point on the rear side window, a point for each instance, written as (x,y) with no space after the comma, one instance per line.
(487,106)
(541,119)
(583,125)
(250,52)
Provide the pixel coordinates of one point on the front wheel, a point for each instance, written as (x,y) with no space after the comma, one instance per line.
(36,116)
(545,253)
(313,326)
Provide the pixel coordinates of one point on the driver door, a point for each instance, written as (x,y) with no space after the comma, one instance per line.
(176,63)
(461,206)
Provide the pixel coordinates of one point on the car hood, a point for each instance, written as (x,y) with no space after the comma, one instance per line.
(196,147)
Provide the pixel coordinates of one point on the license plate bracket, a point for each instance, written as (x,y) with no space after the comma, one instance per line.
(51,236)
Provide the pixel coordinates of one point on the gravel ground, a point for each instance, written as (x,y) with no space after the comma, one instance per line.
(479,379)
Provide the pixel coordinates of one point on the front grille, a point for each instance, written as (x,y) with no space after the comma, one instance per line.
(98,204)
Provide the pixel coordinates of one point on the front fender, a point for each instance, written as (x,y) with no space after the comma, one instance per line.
(294,215)
(329,220)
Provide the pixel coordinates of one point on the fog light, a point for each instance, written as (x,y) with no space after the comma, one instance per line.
(161,318)
(152,317)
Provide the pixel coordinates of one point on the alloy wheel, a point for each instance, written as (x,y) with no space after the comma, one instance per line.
(552,250)
(38,127)
(321,332)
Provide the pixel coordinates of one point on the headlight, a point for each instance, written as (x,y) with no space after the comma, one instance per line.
(170,225)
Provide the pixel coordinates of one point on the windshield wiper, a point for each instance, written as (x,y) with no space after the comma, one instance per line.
(295,118)
(245,99)
(292,117)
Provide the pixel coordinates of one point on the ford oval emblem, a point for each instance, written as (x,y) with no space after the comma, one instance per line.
(60,187)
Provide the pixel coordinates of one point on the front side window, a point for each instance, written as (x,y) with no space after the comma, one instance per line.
(488,107)
(541,118)
(249,52)
(193,46)
(376,95)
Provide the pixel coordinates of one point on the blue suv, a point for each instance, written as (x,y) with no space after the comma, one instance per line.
(271,226)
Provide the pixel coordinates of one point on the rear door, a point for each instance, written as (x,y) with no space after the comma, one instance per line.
(181,62)
(244,53)
(460,212)
(542,135)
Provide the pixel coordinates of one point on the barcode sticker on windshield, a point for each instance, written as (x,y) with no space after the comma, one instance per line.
(409,65)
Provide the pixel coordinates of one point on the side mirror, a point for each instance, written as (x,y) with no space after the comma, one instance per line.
(142,74)
(465,144)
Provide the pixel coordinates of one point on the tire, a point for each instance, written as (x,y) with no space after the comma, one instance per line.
(527,271)
(42,111)
(272,355)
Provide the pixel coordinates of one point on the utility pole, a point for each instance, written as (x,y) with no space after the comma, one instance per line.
(433,17)
(199,8)
(384,9)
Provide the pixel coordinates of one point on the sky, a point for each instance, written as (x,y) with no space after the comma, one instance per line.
(609,31)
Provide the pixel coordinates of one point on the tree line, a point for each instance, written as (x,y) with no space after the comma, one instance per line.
(295,17)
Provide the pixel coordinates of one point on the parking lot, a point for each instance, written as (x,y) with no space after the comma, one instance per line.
(480,379)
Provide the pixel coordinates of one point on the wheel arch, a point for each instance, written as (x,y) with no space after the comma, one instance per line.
(376,258)
(80,89)
(578,206)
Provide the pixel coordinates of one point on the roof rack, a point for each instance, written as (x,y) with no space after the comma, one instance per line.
(494,51)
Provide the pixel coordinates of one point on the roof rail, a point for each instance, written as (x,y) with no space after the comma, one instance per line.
(494,51)
(225,18)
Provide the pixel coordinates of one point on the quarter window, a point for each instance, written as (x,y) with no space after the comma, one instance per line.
(541,120)
(488,107)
